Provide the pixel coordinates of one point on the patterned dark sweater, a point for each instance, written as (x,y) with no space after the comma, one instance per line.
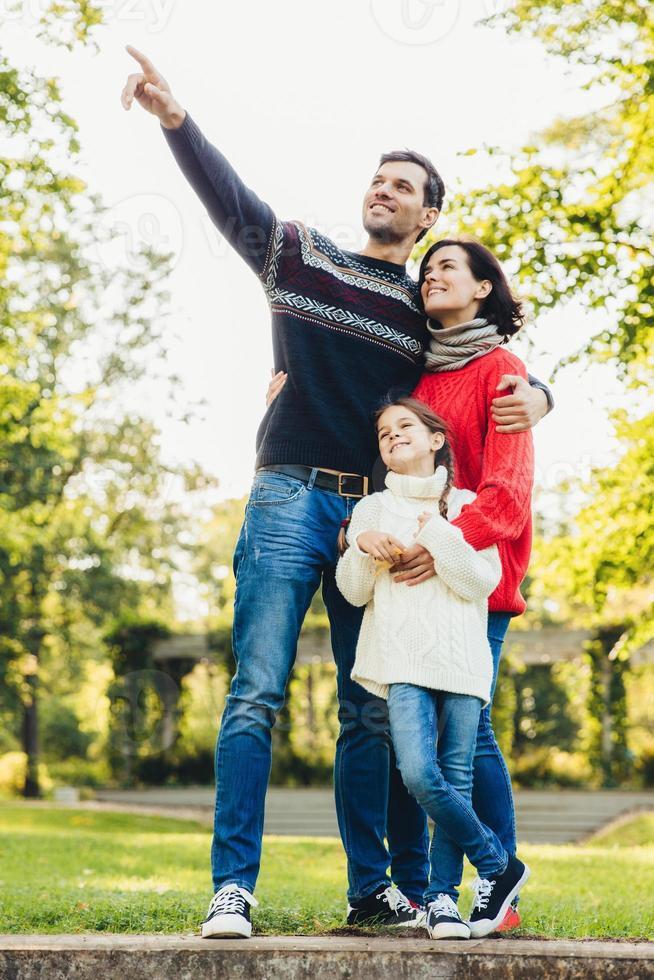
(346,328)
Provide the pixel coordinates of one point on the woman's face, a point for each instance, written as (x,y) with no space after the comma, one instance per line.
(450,293)
(406,445)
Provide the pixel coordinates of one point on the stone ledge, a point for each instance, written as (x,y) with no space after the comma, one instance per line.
(124,957)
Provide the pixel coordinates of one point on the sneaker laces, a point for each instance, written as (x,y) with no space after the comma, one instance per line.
(396,900)
(443,905)
(482,889)
(231,899)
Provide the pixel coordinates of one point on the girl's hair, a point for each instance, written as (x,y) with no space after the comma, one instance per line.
(444,456)
(500,307)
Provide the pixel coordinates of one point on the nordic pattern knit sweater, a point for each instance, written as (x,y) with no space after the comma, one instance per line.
(434,634)
(499,467)
(346,328)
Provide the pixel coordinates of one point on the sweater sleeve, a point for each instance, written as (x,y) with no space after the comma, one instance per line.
(356,570)
(502,506)
(535,383)
(471,574)
(248,223)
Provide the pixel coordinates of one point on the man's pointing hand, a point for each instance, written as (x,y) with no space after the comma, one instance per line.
(152,92)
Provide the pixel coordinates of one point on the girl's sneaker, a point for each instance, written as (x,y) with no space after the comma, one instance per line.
(443,920)
(493,896)
(386,908)
(229,914)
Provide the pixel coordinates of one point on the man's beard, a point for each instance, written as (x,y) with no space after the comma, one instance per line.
(384,236)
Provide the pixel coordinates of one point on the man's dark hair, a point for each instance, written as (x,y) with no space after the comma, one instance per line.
(434,186)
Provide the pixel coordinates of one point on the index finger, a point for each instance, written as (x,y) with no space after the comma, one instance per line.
(142,59)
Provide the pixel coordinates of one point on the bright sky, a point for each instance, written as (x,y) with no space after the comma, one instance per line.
(303,98)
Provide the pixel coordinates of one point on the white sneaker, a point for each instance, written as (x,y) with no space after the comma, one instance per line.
(229,914)
(443,920)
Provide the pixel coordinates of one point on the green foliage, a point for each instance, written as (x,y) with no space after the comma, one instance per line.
(304,737)
(130,643)
(542,715)
(571,218)
(213,558)
(61,733)
(87,526)
(71,22)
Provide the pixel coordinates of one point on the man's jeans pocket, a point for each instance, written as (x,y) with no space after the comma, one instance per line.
(269,488)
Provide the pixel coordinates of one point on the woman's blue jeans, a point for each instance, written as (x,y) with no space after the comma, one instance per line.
(286,548)
(434,734)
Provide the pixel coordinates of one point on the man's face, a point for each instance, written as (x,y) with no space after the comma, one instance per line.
(393,208)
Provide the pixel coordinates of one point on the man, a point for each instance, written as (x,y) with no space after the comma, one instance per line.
(346,330)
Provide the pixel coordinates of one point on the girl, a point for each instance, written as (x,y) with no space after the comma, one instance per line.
(425,650)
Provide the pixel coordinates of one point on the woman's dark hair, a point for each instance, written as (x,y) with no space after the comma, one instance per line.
(444,456)
(500,307)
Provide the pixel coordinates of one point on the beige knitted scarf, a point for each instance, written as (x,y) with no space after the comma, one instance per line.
(452,347)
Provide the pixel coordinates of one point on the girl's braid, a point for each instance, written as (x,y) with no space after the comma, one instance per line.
(444,457)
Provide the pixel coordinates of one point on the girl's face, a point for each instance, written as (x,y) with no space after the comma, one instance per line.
(450,293)
(406,445)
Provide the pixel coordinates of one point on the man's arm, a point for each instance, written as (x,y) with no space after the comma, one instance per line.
(247,223)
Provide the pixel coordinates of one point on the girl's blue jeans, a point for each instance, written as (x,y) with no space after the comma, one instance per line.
(287,547)
(434,734)
(492,795)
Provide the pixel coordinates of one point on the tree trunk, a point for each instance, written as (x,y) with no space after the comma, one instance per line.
(31,788)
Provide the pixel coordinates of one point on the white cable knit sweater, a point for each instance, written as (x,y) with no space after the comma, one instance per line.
(434,634)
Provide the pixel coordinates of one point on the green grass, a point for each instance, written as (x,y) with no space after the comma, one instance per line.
(637,831)
(80,871)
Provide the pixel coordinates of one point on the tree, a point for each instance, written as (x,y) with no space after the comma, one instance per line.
(570,217)
(573,220)
(86,528)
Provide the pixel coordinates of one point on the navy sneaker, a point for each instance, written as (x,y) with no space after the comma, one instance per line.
(229,914)
(443,921)
(386,908)
(493,896)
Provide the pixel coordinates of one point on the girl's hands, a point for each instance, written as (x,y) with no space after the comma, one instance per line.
(276,384)
(381,546)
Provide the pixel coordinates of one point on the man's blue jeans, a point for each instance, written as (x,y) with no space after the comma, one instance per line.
(434,734)
(286,547)
(492,796)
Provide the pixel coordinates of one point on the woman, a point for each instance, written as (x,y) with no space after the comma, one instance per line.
(472,314)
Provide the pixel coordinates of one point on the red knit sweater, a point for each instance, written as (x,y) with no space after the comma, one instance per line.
(498,467)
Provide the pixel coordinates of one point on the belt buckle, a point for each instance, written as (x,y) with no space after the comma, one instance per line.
(364,485)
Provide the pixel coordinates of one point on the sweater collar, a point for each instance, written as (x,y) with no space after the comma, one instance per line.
(403,485)
(399,270)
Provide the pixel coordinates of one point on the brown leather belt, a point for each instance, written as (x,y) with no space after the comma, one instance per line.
(344,484)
